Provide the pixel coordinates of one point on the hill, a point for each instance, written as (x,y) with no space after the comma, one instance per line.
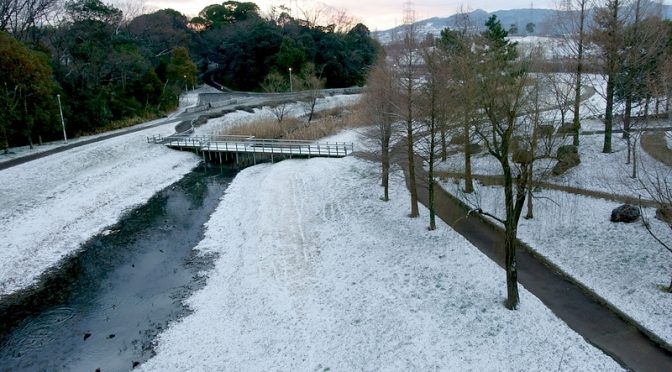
(545,21)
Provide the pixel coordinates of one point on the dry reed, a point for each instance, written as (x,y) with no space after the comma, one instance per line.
(324,124)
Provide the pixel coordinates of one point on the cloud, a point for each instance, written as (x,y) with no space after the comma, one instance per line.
(377,15)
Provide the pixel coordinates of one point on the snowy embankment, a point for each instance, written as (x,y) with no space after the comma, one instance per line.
(315,272)
(52,205)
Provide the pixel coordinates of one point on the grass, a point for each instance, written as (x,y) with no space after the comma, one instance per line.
(324,124)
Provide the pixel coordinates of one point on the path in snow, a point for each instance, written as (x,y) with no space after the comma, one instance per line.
(583,310)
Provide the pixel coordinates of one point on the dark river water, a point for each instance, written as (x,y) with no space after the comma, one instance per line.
(103,308)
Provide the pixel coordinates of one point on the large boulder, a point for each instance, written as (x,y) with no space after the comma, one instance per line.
(566,128)
(625,213)
(517,143)
(475,148)
(522,156)
(458,139)
(544,131)
(568,157)
(665,214)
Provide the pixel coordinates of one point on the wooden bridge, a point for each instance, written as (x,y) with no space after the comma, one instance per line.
(230,148)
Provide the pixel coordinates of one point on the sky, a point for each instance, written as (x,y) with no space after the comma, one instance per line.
(377,15)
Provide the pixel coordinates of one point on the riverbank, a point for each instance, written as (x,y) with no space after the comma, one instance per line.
(315,272)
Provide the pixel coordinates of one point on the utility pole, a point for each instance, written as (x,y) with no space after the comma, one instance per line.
(60,108)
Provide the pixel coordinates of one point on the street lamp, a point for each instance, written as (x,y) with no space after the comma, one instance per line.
(60,108)
(186,86)
(290,80)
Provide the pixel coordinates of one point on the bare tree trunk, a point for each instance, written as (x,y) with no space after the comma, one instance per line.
(609,115)
(444,145)
(576,122)
(510,232)
(468,181)
(627,115)
(626,125)
(430,184)
(385,159)
(530,195)
(410,153)
(611,55)
(634,159)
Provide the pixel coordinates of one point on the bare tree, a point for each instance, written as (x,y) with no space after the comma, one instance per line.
(23,17)
(311,83)
(502,98)
(609,37)
(656,181)
(276,83)
(433,101)
(381,107)
(407,61)
(573,19)
(461,59)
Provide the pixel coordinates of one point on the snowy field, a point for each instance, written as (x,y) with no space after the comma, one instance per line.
(621,263)
(316,273)
(597,171)
(52,205)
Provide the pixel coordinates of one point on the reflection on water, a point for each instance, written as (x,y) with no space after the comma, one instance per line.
(103,309)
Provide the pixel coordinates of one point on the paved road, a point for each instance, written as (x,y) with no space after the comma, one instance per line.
(31,157)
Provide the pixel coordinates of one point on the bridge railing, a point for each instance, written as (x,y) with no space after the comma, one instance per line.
(232,143)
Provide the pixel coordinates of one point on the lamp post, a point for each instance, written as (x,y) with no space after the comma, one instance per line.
(290,80)
(60,109)
(186,85)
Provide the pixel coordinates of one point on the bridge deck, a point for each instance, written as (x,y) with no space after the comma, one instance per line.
(245,144)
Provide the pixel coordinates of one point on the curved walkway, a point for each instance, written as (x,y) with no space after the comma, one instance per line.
(499,180)
(56,150)
(582,310)
(656,146)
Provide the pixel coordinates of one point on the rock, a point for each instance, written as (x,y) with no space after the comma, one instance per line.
(458,139)
(475,148)
(566,128)
(625,213)
(568,157)
(665,214)
(544,131)
(522,156)
(517,142)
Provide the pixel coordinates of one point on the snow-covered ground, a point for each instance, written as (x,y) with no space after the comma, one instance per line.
(50,206)
(315,272)
(621,263)
(598,171)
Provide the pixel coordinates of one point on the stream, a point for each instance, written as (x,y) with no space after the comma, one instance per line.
(103,307)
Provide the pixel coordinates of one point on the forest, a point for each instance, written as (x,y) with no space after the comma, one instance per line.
(107,69)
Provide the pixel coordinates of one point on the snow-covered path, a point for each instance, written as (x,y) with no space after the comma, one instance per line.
(52,205)
(316,273)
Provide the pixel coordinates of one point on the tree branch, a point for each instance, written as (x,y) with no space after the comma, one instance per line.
(481,212)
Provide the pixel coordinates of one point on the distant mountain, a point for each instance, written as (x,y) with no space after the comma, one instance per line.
(544,21)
